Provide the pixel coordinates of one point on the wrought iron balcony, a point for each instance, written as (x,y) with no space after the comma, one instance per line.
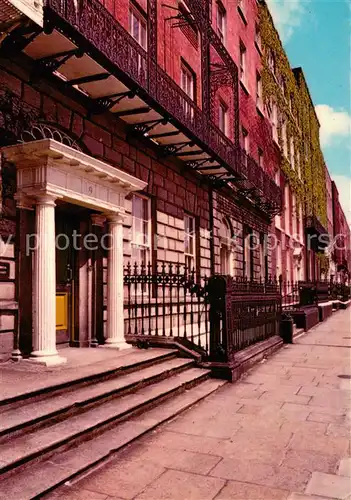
(162,109)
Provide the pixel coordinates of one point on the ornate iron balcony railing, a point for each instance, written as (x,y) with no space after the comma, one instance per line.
(92,22)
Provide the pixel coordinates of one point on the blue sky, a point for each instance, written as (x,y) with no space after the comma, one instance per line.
(316,36)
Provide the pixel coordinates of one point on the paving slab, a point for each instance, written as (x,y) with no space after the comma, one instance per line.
(278,434)
(124,479)
(329,485)
(345,467)
(177,485)
(235,490)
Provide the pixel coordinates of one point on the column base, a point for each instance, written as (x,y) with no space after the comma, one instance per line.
(46,359)
(118,344)
(16,355)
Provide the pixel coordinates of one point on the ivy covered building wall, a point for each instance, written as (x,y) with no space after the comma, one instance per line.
(301,174)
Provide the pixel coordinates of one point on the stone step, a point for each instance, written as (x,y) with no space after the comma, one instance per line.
(49,440)
(48,474)
(67,380)
(36,413)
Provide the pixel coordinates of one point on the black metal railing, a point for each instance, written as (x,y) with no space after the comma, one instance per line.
(242,313)
(166,302)
(217,316)
(297,294)
(92,21)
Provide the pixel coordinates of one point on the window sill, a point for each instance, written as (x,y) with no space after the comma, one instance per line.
(242,15)
(244,87)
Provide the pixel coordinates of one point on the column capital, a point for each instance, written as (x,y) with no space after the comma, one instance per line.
(24,202)
(115,217)
(98,219)
(45,199)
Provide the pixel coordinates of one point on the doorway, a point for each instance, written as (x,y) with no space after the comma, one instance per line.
(65,224)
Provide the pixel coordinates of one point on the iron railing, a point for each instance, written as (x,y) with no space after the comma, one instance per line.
(166,302)
(216,316)
(297,294)
(92,21)
(242,313)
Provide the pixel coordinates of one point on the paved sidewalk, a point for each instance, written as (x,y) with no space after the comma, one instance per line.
(279,433)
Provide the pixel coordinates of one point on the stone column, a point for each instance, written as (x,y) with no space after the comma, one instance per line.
(97,316)
(115,289)
(44,285)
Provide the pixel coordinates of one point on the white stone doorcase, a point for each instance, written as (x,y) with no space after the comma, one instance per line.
(48,171)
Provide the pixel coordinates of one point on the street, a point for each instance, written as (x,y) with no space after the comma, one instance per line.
(281,432)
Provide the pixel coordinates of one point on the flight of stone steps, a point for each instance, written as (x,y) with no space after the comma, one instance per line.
(48,437)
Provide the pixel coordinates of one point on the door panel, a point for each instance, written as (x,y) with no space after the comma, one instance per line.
(65,264)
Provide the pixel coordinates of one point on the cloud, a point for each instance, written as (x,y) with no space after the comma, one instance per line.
(287,15)
(334,124)
(343,184)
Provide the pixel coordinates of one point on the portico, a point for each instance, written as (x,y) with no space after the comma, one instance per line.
(49,172)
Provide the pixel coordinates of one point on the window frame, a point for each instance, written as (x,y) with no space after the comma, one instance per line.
(223,108)
(260,157)
(258,38)
(259,91)
(137,245)
(284,137)
(245,140)
(225,249)
(221,13)
(142,20)
(248,257)
(287,209)
(243,63)
(292,152)
(192,237)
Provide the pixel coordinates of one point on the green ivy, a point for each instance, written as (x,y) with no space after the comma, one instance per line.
(302,124)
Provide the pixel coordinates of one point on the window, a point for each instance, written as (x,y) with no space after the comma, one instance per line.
(259,94)
(292,153)
(271,61)
(279,258)
(138,27)
(187,80)
(260,157)
(277,217)
(288,264)
(242,63)
(226,255)
(298,166)
(263,258)
(187,84)
(275,121)
(245,139)
(223,117)
(284,143)
(258,41)
(287,208)
(141,229)
(221,21)
(248,253)
(138,30)
(294,216)
(189,242)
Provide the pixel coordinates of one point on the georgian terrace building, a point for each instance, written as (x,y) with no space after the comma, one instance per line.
(127,119)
